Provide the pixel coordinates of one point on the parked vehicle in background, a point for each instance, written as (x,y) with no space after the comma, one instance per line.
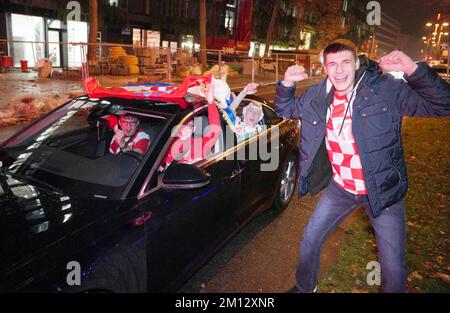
(432,63)
(443,70)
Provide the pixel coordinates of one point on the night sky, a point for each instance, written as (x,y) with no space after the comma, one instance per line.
(413,14)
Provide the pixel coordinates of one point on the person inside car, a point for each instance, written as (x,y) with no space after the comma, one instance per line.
(227,102)
(188,148)
(248,126)
(128,136)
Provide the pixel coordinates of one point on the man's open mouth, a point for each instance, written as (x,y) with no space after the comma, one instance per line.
(340,79)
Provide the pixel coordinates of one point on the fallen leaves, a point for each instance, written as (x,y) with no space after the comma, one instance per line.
(427,266)
(415,276)
(411,224)
(24,109)
(444,277)
(440,259)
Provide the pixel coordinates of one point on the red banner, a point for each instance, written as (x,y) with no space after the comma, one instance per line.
(165,92)
(244,22)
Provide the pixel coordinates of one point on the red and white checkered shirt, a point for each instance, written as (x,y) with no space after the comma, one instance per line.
(140,140)
(342,151)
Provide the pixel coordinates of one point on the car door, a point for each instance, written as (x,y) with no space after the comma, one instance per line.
(184,227)
(258,167)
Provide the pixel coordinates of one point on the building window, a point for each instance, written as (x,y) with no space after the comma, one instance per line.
(177,8)
(137,7)
(166,8)
(147,6)
(146,38)
(27,28)
(114,3)
(230,9)
(187,42)
(305,40)
(76,32)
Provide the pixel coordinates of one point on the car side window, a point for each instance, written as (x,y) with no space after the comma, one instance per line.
(196,139)
(271,116)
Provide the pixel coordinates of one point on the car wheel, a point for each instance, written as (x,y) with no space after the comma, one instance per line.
(120,271)
(286,184)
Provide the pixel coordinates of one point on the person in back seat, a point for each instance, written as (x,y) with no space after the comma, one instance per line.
(189,148)
(248,125)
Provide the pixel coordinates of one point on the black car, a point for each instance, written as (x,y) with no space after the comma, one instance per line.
(75,217)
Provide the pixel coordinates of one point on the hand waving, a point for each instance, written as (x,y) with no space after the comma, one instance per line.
(251,88)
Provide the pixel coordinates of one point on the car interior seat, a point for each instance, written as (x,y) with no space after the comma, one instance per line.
(150,129)
(105,135)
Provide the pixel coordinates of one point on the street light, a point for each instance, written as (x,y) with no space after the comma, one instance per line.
(437,32)
(442,33)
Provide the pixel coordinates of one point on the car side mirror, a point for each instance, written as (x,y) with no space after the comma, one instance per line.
(183,176)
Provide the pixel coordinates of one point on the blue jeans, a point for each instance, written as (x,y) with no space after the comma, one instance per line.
(334,206)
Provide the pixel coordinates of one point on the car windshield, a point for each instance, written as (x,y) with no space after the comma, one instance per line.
(76,149)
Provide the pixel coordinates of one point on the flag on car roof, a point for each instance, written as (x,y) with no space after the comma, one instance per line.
(196,85)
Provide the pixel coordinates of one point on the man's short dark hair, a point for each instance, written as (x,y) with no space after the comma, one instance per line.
(128,117)
(339,45)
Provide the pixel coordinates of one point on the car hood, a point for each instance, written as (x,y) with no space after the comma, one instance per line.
(33,219)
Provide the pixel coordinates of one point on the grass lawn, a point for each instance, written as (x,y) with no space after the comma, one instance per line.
(427,153)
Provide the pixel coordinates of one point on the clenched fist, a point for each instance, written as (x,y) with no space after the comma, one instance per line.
(120,137)
(294,74)
(399,62)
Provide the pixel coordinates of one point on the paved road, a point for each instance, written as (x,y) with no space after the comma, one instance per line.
(267,91)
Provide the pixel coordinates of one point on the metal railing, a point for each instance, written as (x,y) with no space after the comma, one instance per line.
(146,63)
(34,73)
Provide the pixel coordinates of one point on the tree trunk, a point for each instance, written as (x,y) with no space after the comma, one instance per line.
(299,23)
(271,26)
(203,59)
(93,29)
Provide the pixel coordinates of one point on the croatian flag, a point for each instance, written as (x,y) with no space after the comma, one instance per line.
(196,85)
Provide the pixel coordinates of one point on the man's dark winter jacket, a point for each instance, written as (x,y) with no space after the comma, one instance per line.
(379,105)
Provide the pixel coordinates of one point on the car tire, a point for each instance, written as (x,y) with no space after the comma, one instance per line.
(120,271)
(287,182)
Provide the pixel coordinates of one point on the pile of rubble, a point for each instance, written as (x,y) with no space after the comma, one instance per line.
(25,109)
